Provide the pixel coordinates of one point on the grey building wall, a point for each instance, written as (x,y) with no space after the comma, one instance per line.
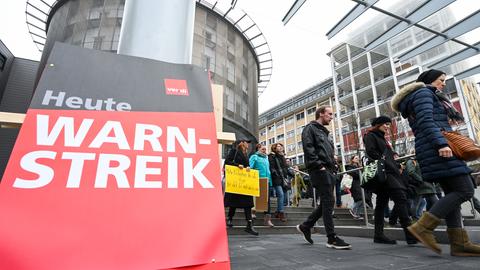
(6,59)
(19,87)
(218,46)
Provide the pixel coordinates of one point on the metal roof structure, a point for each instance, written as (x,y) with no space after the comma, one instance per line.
(37,14)
(413,19)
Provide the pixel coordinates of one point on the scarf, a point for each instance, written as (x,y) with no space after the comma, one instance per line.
(452,113)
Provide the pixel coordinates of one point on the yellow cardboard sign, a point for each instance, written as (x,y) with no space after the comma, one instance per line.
(240,181)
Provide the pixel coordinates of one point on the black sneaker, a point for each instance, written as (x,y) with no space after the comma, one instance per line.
(307,234)
(337,243)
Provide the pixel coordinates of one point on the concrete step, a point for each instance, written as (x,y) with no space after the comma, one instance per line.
(354,231)
(240,222)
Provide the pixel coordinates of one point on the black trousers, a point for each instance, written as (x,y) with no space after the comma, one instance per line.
(457,190)
(324,183)
(399,197)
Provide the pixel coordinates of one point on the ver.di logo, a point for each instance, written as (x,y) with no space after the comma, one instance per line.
(176,87)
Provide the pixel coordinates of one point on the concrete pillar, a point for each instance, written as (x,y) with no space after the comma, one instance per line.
(158,29)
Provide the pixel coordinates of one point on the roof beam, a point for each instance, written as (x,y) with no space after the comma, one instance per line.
(464,26)
(353,14)
(468,73)
(293,9)
(422,12)
(456,57)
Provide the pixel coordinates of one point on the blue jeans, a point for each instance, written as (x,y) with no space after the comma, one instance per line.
(357,208)
(280,198)
(338,194)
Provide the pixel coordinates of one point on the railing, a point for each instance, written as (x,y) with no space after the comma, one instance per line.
(359,169)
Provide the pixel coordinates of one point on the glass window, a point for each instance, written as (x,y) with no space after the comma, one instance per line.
(231,71)
(3,61)
(291,147)
(271,141)
(311,110)
(280,137)
(289,120)
(211,21)
(300,146)
(300,129)
(300,159)
(98,3)
(279,124)
(230,99)
(263,132)
(243,111)
(300,116)
(290,134)
(270,128)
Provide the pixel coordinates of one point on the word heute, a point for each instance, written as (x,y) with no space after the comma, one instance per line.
(112,133)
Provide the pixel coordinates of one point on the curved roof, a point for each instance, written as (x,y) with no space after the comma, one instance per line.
(38,13)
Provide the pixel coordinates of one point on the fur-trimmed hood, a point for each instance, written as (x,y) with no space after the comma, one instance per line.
(405,91)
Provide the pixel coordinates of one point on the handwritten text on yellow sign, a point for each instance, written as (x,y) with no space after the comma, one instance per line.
(241,182)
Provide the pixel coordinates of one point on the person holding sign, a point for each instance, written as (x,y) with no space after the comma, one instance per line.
(321,165)
(259,162)
(238,157)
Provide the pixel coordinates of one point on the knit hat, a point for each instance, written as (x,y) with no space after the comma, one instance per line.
(382,119)
(429,76)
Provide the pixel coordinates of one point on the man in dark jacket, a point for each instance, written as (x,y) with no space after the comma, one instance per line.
(320,162)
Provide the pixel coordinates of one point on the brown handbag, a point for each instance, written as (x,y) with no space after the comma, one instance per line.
(462,147)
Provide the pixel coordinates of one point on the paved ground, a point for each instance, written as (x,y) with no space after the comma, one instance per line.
(291,252)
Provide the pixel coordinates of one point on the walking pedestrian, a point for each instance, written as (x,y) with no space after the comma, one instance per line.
(320,162)
(393,188)
(429,111)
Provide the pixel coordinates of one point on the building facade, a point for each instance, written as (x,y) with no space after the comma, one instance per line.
(285,122)
(362,85)
(218,45)
(365,81)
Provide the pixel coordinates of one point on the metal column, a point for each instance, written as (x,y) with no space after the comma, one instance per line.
(158,29)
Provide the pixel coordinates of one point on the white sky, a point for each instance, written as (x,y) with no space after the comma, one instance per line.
(299,49)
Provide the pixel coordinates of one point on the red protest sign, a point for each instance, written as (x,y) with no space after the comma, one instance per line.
(112,189)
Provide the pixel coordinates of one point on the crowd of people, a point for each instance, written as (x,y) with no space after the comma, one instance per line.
(425,189)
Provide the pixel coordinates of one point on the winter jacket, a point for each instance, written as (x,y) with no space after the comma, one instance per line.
(259,162)
(317,147)
(236,157)
(427,117)
(413,170)
(278,168)
(376,147)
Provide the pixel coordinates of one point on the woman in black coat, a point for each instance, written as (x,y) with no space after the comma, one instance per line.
(238,157)
(377,148)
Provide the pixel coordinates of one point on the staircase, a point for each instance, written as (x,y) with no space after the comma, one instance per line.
(345,224)
(295,216)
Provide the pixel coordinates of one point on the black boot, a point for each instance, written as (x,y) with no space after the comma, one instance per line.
(382,239)
(249,229)
(409,238)
(229,222)
(379,237)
